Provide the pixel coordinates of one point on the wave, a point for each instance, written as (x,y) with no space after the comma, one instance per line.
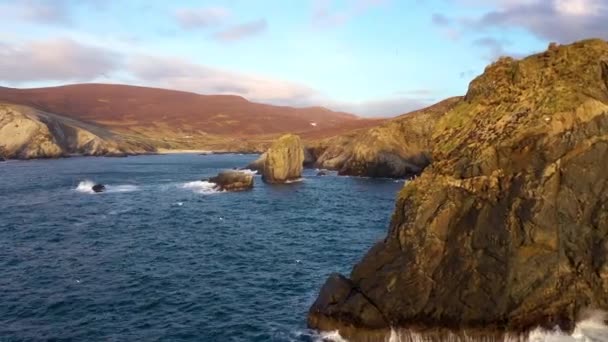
(590,329)
(333,336)
(201,187)
(86,187)
(249,171)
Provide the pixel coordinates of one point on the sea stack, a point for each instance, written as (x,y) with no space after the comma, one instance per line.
(233,181)
(507,231)
(284,160)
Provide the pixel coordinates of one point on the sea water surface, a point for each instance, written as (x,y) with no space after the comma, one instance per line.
(161,256)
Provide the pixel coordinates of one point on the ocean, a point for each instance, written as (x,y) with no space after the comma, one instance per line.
(161,256)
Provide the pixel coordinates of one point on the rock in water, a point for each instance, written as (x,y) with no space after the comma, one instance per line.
(508,229)
(399,148)
(284,160)
(233,181)
(258,164)
(321,173)
(98,188)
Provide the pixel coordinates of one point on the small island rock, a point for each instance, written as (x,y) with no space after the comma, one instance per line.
(284,160)
(233,181)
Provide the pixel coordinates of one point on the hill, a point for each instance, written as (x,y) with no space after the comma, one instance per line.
(141,109)
(27,133)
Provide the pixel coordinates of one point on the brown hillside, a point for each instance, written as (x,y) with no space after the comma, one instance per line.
(148,111)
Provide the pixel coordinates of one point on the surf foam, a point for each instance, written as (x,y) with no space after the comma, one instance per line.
(86,187)
(249,172)
(201,187)
(591,328)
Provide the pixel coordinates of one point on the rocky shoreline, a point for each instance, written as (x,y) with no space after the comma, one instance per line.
(507,229)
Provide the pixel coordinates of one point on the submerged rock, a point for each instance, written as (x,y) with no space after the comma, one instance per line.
(508,229)
(99,188)
(233,181)
(284,160)
(321,173)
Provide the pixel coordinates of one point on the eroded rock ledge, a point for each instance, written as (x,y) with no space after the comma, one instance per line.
(508,229)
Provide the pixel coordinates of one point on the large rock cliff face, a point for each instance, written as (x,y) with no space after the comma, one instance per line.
(284,160)
(508,229)
(29,133)
(398,148)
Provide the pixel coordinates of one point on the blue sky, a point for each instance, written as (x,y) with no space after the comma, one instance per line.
(370,57)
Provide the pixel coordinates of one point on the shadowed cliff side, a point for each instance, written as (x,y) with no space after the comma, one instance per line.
(29,133)
(398,148)
(508,229)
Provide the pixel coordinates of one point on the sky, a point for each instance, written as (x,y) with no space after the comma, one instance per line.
(368,57)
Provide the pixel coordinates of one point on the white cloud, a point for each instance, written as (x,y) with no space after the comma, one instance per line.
(176,73)
(55,60)
(242,31)
(563,21)
(191,18)
(60,61)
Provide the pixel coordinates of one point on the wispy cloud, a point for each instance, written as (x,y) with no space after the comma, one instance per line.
(55,60)
(37,11)
(325,15)
(242,31)
(555,20)
(387,107)
(195,18)
(61,60)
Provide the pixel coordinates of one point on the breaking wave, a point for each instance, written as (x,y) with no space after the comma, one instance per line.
(590,329)
(248,171)
(86,187)
(201,187)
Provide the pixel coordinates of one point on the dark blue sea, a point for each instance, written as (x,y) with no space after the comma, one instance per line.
(161,256)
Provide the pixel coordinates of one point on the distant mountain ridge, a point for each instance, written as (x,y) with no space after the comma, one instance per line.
(124,107)
(157,119)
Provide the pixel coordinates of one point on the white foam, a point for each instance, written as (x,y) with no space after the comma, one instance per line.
(331,336)
(294,181)
(589,329)
(86,187)
(121,188)
(201,187)
(249,172)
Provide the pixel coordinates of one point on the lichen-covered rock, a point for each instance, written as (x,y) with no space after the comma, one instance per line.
(399,148)
(284,160)
(508,229)
(258,164)
(233,181)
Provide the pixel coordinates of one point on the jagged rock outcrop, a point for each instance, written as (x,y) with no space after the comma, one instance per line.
(284,160)
(232,181)
(398,148)
(29,133)
(258,164)
(508,229)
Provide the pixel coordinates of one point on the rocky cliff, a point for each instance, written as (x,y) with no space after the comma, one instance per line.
(398,148)
(284,160)
(29,133)
(508,229)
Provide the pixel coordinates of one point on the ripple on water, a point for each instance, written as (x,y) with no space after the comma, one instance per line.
(134,264)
